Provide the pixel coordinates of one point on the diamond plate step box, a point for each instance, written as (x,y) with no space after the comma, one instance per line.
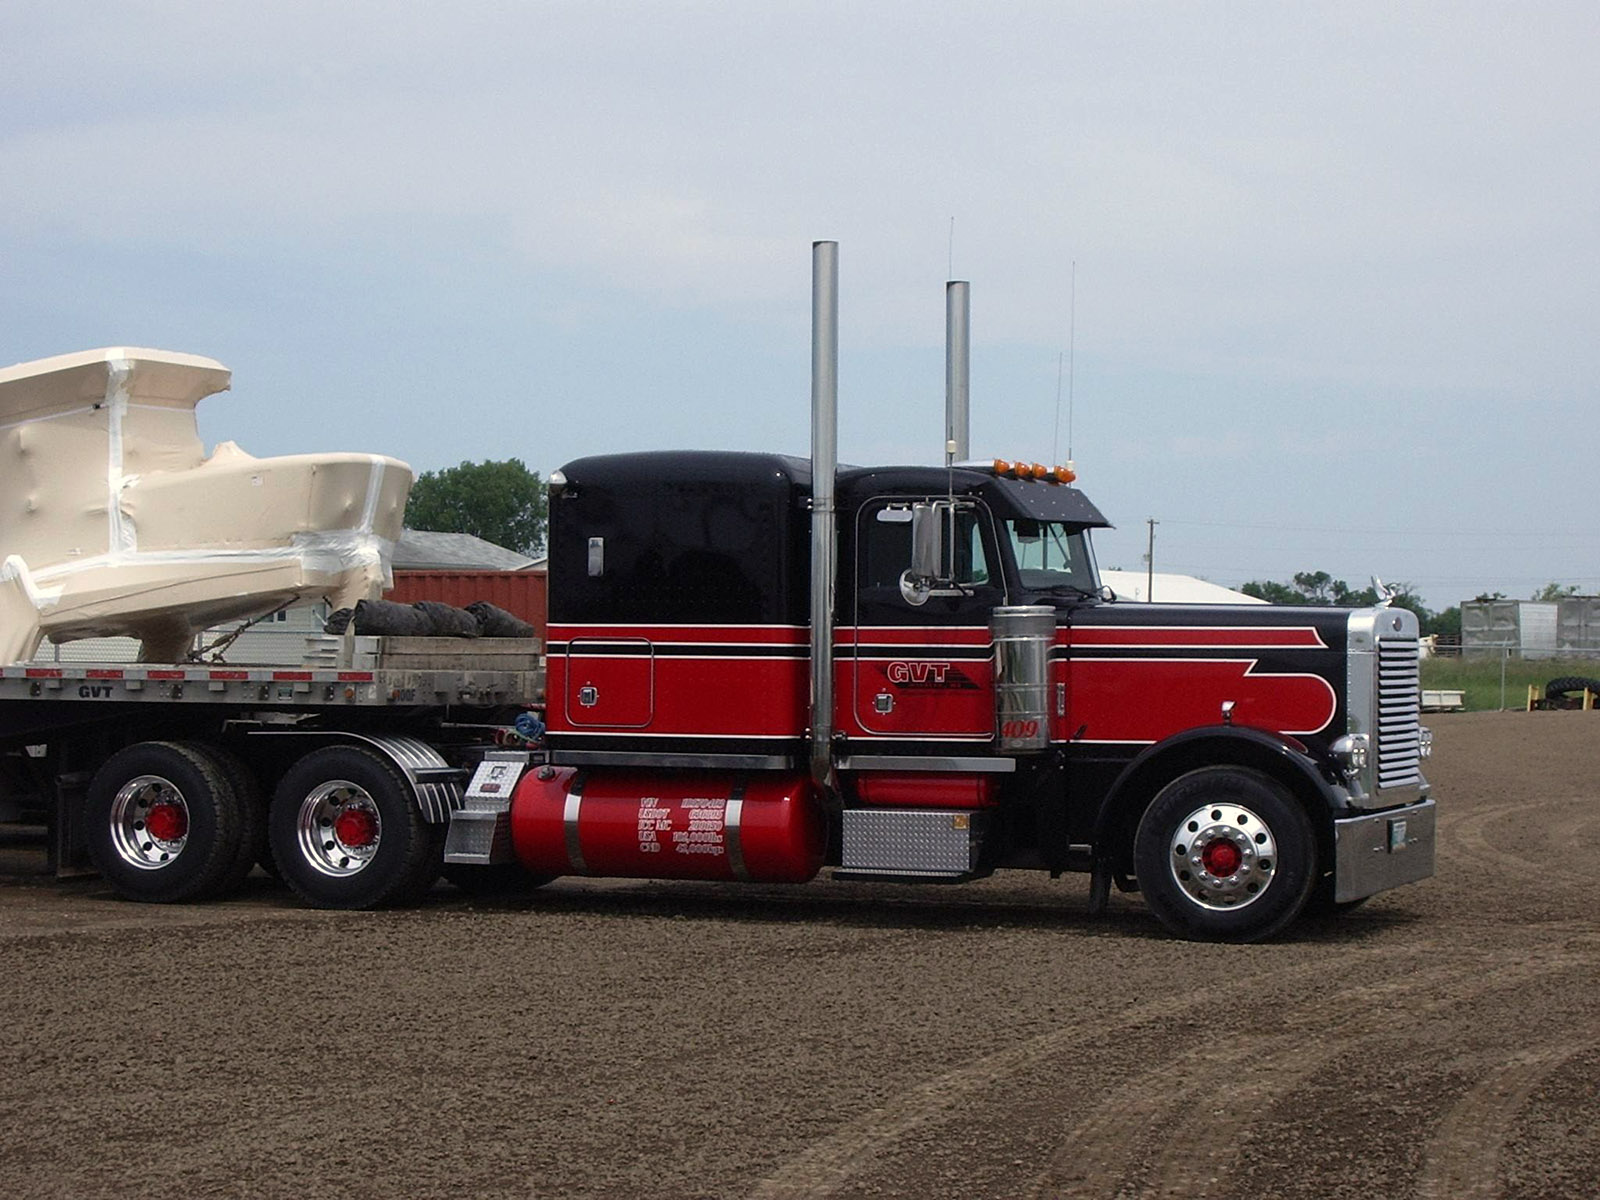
(934,844)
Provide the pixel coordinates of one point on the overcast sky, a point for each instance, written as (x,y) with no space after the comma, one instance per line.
(1337,266)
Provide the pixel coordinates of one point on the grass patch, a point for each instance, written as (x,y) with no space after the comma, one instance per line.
(1479,678)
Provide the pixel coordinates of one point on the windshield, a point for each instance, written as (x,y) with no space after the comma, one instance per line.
(1051,556)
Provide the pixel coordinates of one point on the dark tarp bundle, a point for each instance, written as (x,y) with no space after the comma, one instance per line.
(448,621)
(426,618)
(429,618)
(497,622)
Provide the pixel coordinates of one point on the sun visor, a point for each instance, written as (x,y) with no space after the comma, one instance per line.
(1044,502)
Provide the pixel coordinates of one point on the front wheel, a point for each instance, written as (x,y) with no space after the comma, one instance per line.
(1224,854)
(346,832)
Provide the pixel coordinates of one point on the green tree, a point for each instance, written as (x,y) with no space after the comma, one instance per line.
(1272,593)
(1446,623)
(502,502)
(1317,587)
(1401,596)
(1556,591)
(1321,590)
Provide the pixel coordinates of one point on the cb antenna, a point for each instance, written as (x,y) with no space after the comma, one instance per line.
(1072,351)
(1072,345)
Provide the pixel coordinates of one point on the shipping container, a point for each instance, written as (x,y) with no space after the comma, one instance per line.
(1578,625)
(1526,628)
(521,593)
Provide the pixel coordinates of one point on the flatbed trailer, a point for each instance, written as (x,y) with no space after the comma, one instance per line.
(129,764)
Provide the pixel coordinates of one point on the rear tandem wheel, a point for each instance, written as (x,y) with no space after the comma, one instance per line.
(346,832)
(163,823)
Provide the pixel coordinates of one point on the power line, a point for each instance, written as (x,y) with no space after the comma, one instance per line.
(1520,534)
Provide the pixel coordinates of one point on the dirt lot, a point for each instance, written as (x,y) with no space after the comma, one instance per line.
(833,1040)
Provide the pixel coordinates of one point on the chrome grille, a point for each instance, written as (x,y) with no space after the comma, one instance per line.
(1399,753)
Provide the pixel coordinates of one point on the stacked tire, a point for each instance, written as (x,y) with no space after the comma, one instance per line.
(1559,690)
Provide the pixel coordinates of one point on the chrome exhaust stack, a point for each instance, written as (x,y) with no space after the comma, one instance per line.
(957,371)
(824,516)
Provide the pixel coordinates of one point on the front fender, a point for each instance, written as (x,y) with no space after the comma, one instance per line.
(1209,746)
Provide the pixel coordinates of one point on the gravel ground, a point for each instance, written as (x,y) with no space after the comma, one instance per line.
(599,1039)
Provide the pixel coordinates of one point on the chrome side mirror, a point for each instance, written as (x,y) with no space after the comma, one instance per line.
(914,591)
(927,548)
(927,552)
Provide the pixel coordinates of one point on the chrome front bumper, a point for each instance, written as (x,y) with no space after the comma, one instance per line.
(1382,850)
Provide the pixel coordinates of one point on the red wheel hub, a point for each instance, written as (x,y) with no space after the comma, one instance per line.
(1221,858)
(356,827)
(166,822)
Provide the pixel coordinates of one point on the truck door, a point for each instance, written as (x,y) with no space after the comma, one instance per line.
(921,671)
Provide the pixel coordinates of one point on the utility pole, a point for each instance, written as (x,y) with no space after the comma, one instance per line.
(1150,563)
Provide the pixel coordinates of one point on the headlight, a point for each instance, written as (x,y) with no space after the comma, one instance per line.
(1351,752)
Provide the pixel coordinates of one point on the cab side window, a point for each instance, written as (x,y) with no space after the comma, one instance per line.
(884,546)
(971,566)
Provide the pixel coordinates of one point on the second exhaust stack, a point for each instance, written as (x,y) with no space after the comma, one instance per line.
(824,464)
(957,371)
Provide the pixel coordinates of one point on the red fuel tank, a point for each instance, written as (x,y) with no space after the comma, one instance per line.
(645,825)
(910,789)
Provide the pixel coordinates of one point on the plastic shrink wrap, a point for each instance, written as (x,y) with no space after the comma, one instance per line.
(114,521)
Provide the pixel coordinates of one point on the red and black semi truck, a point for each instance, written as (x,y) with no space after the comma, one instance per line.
(759,667)
(992,706)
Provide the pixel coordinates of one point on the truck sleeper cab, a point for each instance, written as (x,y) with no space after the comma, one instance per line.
(992,707)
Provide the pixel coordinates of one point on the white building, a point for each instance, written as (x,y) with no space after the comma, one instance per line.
(1171,589)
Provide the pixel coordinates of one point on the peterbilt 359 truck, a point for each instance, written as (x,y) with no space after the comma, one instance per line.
(760,666)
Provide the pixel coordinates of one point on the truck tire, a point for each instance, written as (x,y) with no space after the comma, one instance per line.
(1557,689)
(1224,854)
(346,832)
(163,823)
(252,813)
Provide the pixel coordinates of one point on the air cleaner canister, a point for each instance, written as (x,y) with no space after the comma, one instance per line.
(1023,634)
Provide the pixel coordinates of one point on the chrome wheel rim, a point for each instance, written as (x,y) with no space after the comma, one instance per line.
(149,822)
(1223,856)
(338,828)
